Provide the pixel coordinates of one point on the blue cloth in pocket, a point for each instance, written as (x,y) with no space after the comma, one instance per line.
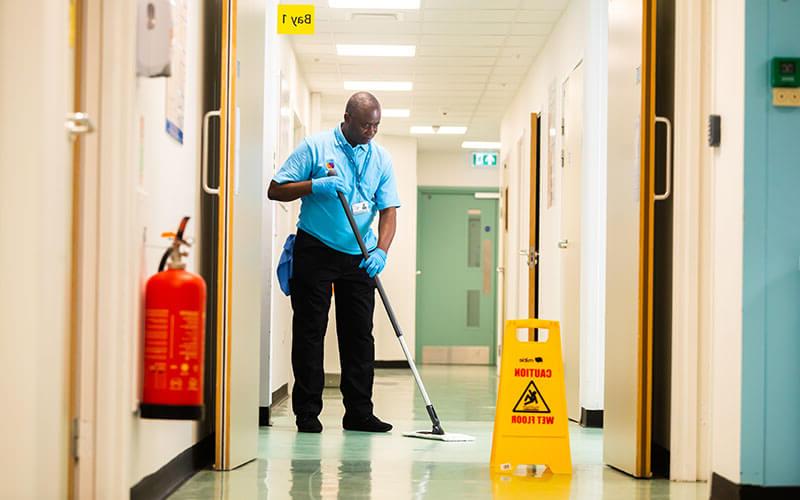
(286,265)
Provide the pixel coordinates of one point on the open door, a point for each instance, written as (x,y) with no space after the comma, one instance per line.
(236,152)
(630,261)
(533,238)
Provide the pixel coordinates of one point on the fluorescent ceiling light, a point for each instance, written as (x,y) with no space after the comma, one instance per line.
(480,145)
(353,85)
(452,130)
(376,50)
(374,4)
(395,113)
(428,129)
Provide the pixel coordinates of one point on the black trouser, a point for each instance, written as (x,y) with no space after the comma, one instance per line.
(316,268)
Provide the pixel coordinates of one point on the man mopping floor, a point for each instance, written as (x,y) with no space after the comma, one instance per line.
(327,256)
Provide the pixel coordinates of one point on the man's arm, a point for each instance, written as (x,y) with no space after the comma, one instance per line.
(387,227)
(289,191)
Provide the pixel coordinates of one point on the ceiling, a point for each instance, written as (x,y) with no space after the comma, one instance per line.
(471,58)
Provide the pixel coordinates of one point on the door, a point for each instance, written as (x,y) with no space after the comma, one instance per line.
(630,257)
(36,182)
(239,288)
(456,277)
(533,234)
(569,243)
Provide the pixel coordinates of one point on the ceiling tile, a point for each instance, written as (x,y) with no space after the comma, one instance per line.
(531,29)
(465,28)
(463,40)
(468,16)
(471,4)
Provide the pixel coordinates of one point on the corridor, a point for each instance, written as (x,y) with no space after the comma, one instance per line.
(350,465)
(219,214)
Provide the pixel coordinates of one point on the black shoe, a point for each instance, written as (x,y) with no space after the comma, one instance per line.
(370,423)
(309,424)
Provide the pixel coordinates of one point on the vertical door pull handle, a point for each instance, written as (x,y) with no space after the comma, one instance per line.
(204,156)
(668,192)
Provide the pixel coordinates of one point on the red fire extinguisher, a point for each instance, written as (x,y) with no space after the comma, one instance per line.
(174,340)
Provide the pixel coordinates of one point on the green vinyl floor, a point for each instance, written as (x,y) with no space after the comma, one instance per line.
(350,465)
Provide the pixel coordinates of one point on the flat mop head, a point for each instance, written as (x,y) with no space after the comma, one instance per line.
(447,437)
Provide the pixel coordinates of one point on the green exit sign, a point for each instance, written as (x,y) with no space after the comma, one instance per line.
(484,160)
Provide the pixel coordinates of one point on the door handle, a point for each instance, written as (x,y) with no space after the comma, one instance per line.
(668,192)
(78,124)
(419,273)
(204,155)
(533,260)
(563,244)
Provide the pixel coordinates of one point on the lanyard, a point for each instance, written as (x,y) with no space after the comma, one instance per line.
(358,172)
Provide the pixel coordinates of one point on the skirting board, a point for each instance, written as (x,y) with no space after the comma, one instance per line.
(277,397)
(723,489)
(333,380)
(399,364)
(591,418)
(166,480)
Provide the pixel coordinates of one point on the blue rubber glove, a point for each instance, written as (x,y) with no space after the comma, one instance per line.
(375,264)
(328,186)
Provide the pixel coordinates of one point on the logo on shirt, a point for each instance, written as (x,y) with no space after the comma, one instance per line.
(329,165)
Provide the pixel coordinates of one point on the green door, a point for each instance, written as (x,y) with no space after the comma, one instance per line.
(456,279)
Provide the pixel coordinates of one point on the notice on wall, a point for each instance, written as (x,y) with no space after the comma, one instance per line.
(176,84)
(552,132)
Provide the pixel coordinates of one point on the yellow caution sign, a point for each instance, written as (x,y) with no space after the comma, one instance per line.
(530,423)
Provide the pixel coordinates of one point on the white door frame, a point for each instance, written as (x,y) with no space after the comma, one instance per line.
(691,310)
(107,296)
(573,399)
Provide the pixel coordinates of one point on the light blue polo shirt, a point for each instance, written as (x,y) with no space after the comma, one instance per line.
(368,177)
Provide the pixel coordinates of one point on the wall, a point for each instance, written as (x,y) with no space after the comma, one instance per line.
(35,222)
(288,98)
(168,189)
(439,168)
(399,277)
(726,225)
(594,192)
(770,410)
(577,37)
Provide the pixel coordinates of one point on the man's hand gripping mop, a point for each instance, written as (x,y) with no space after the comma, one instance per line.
(436,433)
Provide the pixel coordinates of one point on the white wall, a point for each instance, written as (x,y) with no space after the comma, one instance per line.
(727,236)
(168,189)
(452,169)
(576,37)
(35,223)
(594,192)
(279,143)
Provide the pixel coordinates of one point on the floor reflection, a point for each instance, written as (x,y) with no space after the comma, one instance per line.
(339,465)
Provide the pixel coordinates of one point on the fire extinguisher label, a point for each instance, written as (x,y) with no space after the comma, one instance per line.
(173,356)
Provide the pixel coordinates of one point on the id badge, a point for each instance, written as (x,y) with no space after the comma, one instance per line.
(360,208)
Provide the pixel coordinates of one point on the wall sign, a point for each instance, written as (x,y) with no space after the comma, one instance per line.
(295,19)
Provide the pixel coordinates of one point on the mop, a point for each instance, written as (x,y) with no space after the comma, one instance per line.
(437,432)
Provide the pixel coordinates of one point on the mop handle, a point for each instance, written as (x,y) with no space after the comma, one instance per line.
(352,220)
(388,306)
